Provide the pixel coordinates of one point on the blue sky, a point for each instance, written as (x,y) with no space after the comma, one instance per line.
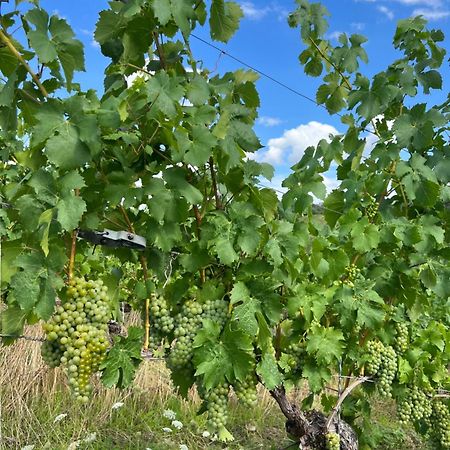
(287,123)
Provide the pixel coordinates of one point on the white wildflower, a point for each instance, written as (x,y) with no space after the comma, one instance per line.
(59,417)
(177,424)
(74,445)
(117,405)
(167,430)
(206,434)
(169,414)
(183,447)
(91,437)
(28,447)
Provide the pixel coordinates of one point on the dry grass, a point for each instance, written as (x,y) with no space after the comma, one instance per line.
(32,395)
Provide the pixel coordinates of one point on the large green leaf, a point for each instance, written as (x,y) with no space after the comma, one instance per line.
(224,19)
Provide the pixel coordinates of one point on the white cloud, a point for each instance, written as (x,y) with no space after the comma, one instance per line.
(430,9)
(334,35)
(268,121)
(429,3)
(89,33)
(386,11)
(275,184)
(432,14)
(253,12)
(289,148)
(330,183)
(358,26)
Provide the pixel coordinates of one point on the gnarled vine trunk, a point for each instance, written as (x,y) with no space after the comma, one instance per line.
(310,427)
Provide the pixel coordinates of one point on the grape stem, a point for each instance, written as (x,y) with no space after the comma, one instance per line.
(214,184)
(73,250)
(7,41)
(143,260)
(341,399)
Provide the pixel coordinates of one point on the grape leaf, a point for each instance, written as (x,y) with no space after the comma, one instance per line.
(25,288)
(219,357)
(268,370)
(122,360)
(70,210)
(224,19)
(325,343)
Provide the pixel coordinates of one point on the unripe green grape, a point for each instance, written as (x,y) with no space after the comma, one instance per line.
(246,391)
(333,441)
(76,339)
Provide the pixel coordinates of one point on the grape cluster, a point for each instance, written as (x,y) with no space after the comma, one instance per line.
(415,406)
(217,406)
(333,441)
(402,341)
(440,423)
(161,322)
(383,364)
(371,209)
(295,351)
(77,334)
(160,314)
(246,391)
(187,323)
(352,272)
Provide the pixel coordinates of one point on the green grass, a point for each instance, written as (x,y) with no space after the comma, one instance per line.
(32,396)
(138,424)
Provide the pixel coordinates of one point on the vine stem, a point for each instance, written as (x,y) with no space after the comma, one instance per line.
(73,248)
(342,397)
(143,261)
(5,39)
(73,251)
(161,55)
(325,57)
(214,184)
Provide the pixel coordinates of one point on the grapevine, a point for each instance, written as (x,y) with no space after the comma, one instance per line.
(77,334)
(172,156)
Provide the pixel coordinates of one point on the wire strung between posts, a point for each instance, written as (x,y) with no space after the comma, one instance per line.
(265,75)
(271,78)
(20,336)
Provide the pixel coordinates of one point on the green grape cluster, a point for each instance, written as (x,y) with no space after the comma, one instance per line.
(383,364)
(415,406)
(402,340)
(77,334)
(371,209)
(440,423)
(246,391)
(295,351)
(217,406)
(352,272)
(160,317)
(333,441)
(188,322)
